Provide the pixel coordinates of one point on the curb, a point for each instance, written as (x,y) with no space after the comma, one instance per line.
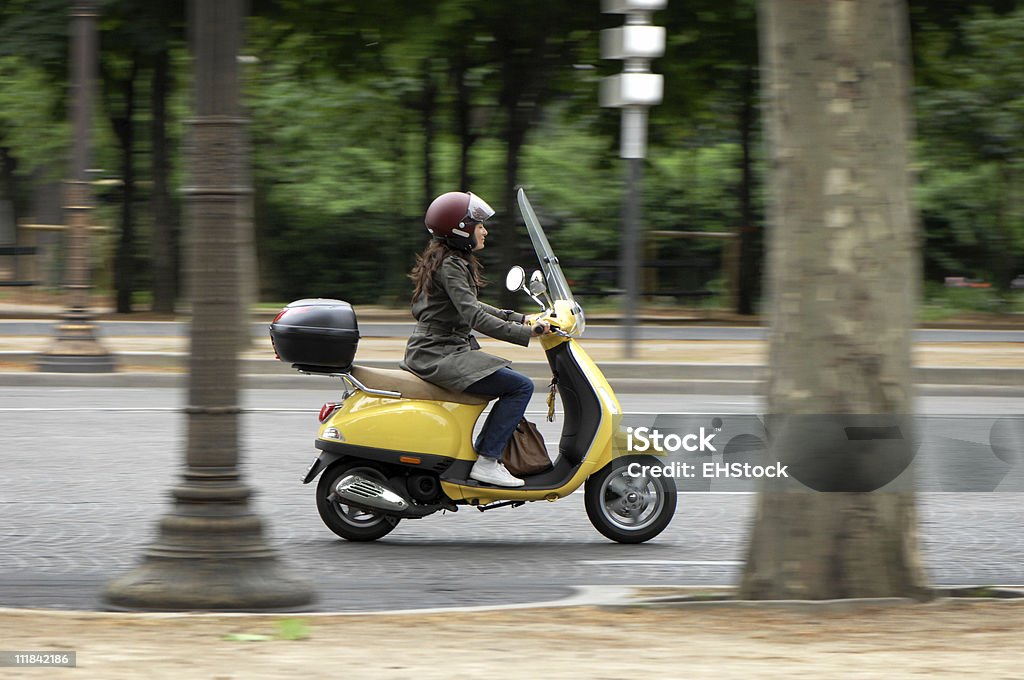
(719,599)
(602,596)
(582,596)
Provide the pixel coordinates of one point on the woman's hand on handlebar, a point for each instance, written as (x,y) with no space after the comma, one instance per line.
(536,322)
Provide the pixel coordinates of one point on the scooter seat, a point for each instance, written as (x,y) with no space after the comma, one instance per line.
(410,386)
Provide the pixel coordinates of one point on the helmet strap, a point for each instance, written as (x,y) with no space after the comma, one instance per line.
(458,242)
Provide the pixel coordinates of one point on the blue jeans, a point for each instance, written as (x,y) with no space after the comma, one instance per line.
(513,391)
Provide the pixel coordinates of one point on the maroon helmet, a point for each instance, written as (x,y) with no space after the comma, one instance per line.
(451,217)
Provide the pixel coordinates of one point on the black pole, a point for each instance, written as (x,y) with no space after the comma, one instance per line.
(211,553)
(76,348)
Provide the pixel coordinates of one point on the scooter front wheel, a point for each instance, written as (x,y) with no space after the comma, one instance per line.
(629,508)
(349,522)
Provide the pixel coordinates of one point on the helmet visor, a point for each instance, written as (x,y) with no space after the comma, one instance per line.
(478,210)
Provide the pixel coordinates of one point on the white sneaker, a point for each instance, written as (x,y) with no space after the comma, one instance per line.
(493,471)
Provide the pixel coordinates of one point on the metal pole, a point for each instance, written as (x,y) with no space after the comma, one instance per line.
(76,349)
(634,124)
(211,553)
(633,147)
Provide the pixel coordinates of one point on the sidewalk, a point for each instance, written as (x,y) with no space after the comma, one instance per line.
(742,352)
(947,638)
(724,367)
(712,366)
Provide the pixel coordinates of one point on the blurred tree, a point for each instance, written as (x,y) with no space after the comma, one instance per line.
(121,87)
(532,61)
(387,104)
(843,259)
(137,39)
(165,25)
(711,97)
(32,137)
(34,134)
(971,121)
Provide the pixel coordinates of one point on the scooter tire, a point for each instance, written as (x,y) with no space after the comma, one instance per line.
(350,523)
(628,520)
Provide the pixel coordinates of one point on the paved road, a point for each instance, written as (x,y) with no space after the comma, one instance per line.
(85,474)
(378,329)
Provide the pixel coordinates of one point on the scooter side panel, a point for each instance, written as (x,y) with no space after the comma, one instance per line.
(598,455)
(413,425)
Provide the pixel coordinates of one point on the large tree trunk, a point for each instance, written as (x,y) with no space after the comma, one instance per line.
(165,234)
(843,277)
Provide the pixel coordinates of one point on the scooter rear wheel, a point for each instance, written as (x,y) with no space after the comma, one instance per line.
(625,508)
(351,523)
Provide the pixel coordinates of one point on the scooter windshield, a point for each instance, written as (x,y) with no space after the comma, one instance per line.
(558,287)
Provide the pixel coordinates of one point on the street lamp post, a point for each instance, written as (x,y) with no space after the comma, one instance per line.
(211,553)
(634,91)
(76,349)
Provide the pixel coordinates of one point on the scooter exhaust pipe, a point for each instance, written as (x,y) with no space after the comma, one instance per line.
(367,493)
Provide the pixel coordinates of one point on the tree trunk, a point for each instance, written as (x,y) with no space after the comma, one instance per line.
(843,269)
(428,106)
(124,261)
(749,246)
(464,122)
(8,197)
(165,234)
(508,241)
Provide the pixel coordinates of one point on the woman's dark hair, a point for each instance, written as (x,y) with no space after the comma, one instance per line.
(430,259)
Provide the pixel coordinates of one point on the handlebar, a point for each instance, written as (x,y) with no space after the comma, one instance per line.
(538,329)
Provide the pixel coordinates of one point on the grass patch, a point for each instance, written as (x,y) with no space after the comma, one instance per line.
(941,303)
(287,629)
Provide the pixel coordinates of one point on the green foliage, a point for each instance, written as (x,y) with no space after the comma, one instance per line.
(29,106)
(37,31)
(971,150)
(941,302)
(339,92)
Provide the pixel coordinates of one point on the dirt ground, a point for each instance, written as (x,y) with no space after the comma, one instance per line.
(949,638)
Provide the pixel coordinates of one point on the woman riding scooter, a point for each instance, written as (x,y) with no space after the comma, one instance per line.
(441,349)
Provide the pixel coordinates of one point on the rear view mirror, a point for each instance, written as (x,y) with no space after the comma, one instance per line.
(515,278)
(537,286)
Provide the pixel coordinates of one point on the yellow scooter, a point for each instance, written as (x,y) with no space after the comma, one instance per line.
(397,447)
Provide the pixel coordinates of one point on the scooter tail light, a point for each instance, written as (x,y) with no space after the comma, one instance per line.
(327,409)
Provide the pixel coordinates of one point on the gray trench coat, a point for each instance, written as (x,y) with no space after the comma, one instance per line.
(441,350)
